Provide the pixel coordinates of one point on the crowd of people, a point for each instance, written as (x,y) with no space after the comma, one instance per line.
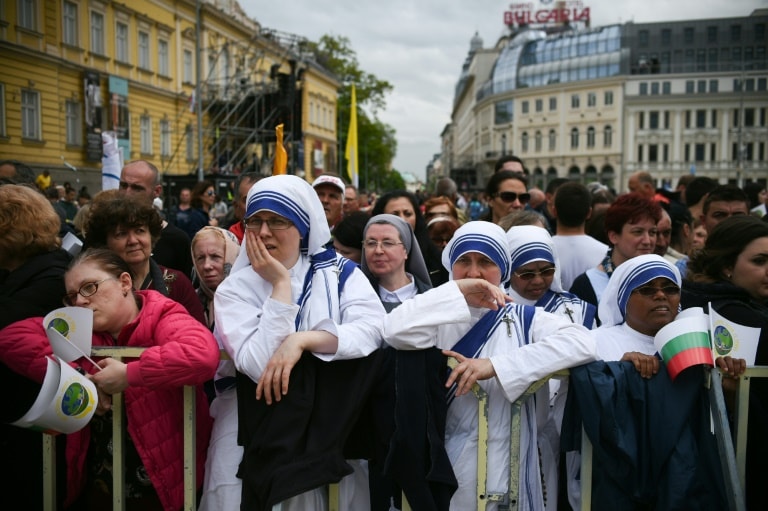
(338,312)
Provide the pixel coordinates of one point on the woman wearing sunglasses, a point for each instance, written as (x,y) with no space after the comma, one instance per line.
(506,192)
(203,198)
(179,351)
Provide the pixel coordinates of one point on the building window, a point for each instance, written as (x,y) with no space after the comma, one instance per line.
(690,86)
(503,112)
(537,142)
(643,88)
(121,42)
(642,38)
(97,33)
(653,120)
(144,50)
(591,99)
(552,104)
(761,84)
(574,138)
(608,98)
(524,142)
(575,101)
(701,118)
(28,14)
(608,136)
(712,34)
(165,138)
(655,88)
(552,140)
(162,58)
(665,156)
(666,87)
(524,107)
(640,153)
(701,86)
(736,33)
(30,114)
(2,110)
(666,120)
(666,36)
(713,86)
(74,124)
(190,136)
(539,105)
(653,153)
(146,135)
(187,66)
(700,151)
(69,15)
(641,120)
(590,137)
(713,124)
(688,35)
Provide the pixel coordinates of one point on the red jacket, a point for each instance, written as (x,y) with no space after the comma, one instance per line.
(182,352)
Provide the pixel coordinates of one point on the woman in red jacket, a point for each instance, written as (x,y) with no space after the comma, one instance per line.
(180,351)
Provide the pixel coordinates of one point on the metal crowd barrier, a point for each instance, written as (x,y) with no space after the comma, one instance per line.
(733,461)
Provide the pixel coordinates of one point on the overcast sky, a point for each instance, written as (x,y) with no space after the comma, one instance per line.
(419,47)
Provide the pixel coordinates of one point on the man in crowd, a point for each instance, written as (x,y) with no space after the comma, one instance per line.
(696,192)
(446,187)
(330,189)
(723,201)
(243,183)
(642,182)
(351,203)
(141,178)
(577,252)
(547,208)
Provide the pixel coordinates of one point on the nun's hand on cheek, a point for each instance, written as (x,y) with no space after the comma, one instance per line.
(267,267)
(481,293)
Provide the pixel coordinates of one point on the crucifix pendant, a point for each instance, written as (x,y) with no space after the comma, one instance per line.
(507,319)
(570,313)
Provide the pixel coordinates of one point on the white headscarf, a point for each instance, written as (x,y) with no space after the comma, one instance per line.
(528,243)
(293,198)
(483,237)
(630,275)
(231,251)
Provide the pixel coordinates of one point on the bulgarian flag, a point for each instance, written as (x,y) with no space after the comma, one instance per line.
(685,342)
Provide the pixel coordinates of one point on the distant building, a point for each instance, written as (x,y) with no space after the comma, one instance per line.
(596,104)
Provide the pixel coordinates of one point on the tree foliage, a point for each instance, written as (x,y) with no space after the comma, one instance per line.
(377,145)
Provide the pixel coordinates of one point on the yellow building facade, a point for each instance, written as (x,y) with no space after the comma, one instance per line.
(75,68)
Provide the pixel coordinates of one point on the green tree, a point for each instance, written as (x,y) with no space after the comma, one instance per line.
(377,144)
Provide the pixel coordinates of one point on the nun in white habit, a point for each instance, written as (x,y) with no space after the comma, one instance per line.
(504,350)
(288,294)
(536,276)
(536,281)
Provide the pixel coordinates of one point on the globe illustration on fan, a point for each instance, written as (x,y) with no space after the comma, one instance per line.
(60,325)
(723,340)
(75,400)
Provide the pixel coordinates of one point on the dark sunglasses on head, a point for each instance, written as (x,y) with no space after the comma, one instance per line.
(210,192)
(651,291)
(512,196)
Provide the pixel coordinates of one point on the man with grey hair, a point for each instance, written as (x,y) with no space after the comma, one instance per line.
(140,178)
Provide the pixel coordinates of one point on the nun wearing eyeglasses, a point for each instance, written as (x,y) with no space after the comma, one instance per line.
(289,297)
(504,350)
(392,260)
(536,276)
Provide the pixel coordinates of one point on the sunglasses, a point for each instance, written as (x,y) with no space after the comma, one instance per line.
(512,197)
(530,275)
(651,291)
(210,192)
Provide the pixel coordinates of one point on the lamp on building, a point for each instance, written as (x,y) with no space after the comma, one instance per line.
(503,144)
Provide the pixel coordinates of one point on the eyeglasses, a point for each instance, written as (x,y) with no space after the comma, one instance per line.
(86,290)
(275,223)
(512,197)
(651,291)
(530,275)
(385,244)
(210,192)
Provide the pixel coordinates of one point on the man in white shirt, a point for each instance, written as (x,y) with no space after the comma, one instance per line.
(575,250)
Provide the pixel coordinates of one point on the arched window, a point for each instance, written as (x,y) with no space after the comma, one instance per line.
(538,141)
(552,140)
(574,138)
(608,136)
(590,137)
(525,142)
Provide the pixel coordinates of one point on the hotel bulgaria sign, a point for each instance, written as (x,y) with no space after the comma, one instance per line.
(530,13)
